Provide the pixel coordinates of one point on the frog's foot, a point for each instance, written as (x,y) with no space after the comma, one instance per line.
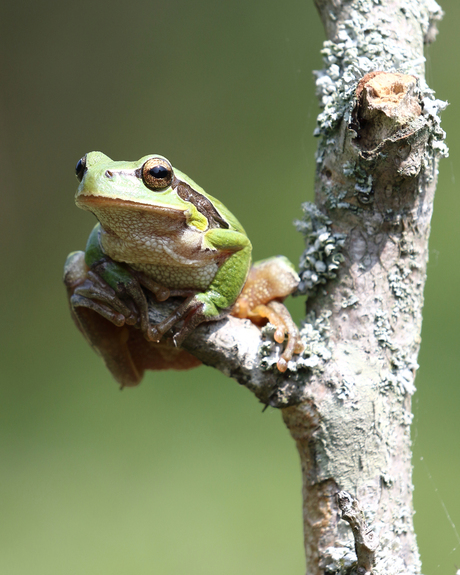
(125,288)
(122,301)
(271,279)
(87,290)
(195,310)
(93,293)
(279,316)
(154,332)
(190,312)
(268,283)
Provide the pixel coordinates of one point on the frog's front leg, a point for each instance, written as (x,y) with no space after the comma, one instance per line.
(111,289)
(87,289)
(221,294)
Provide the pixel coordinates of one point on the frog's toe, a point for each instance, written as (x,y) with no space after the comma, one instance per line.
(191,321)
(104,297)
(190,311)
(294,343)
(75,270)
(282,364)
(79,301)
(153,333)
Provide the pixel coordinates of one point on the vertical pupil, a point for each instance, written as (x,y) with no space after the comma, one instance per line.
(159,172)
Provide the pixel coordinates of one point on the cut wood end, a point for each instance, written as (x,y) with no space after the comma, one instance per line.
(390,88)
(394,94)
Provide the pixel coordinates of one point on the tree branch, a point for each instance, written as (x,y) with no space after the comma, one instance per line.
(347,400)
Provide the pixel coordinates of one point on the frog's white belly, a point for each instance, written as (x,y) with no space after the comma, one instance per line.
(177,261)
(180,277)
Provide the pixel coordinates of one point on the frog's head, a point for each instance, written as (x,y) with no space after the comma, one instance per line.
(147,188)
(146,184)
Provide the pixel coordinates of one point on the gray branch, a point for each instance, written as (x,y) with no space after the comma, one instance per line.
(347,399)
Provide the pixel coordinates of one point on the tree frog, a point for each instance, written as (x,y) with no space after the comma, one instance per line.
(159,233)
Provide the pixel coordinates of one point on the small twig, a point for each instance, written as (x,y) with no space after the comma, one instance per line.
(366,541)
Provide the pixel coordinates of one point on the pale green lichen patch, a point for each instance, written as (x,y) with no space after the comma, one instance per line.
(407,295)
(322,256)
(383,330)
(437,146)
(399,380)
(350,301)
(364,45)
(362,188)
(339,560)
(314,334)
(405,283)
(401,383)
(347,391)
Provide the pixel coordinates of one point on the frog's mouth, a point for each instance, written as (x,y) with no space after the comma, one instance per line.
(95,204)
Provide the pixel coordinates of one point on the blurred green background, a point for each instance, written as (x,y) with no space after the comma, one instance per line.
(183,474)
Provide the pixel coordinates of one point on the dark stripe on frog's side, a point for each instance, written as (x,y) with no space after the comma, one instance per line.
(201,203)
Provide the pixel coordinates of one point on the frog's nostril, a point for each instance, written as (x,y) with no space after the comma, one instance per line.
(108,174)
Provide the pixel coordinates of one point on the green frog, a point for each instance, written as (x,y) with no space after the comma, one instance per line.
(160,234)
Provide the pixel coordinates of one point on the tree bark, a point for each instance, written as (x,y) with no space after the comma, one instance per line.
(347,399)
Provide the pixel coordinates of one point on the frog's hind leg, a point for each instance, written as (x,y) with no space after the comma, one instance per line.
(103,327)
(111,343)
(126,352)
(113,328)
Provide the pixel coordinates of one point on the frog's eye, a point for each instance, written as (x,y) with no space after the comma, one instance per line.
(80,168)
(157,173)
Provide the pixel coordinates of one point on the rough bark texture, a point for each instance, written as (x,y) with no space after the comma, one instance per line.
(347,400)
(376,175)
